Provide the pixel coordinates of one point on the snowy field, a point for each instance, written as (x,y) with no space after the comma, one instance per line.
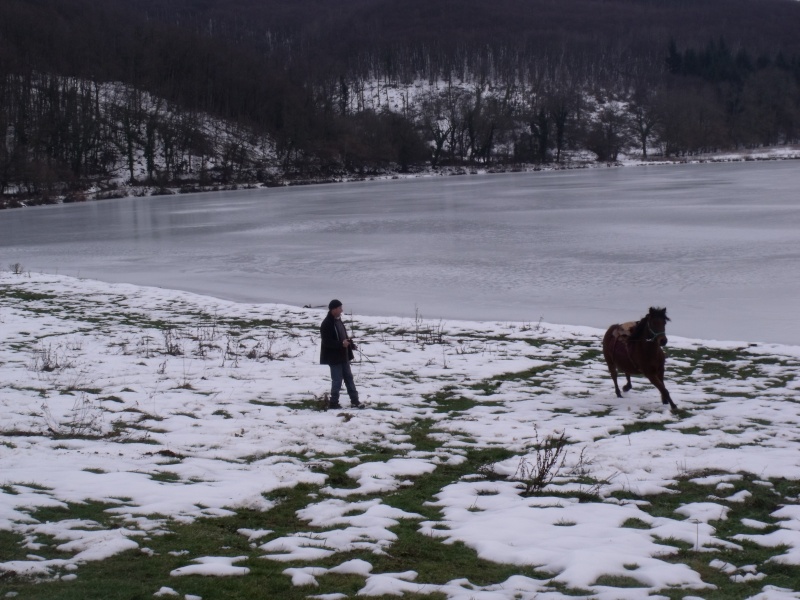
(165,410)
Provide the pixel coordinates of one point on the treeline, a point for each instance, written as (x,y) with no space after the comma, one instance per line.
(65,135)
(739,99)
(137,90)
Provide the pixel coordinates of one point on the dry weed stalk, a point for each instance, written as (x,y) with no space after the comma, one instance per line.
(549,459)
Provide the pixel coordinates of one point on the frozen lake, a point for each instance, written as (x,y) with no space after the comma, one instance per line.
(717,244)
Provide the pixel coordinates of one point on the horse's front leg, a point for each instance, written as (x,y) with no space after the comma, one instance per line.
(627,387)
(665,397)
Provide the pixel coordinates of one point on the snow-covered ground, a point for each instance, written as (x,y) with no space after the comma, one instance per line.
(171,406)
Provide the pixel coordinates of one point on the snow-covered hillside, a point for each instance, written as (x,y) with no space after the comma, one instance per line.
(118,141)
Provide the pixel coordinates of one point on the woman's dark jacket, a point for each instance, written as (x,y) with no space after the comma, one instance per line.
(332,352)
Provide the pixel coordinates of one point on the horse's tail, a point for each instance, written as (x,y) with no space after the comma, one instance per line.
(610,340)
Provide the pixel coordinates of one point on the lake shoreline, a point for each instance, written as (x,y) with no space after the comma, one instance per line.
(777,153)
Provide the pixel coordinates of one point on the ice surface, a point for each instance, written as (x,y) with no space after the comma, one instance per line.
(717,244)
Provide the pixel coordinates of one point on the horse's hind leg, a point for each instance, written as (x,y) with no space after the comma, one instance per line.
(627,387)
(613,370)
(609,349)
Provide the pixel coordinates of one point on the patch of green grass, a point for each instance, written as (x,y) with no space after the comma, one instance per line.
(596,413)
(437,563)
(764,500)
(569,591)
(691,430)
(12,545)
(411,375)
(725,589)
(186,414)
(88,390)
(670,541)
(527,374)
(90,511)
(263,403)
(165,476)
(535,342)
(571,363)
(41,392)
(619,581)
(142,424)
(310,403)
(7,291)
(728,446)
(338,477)
(425,488)
(135,575)
(419,435)
(32,485)
(447,401)
(722,363)
(371,453)
(639,426)
(634,523)
(487,387)
(138,440)
(236,325)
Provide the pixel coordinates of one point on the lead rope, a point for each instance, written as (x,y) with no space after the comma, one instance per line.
(362,356)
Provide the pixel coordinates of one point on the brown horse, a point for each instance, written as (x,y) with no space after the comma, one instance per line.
(635,349)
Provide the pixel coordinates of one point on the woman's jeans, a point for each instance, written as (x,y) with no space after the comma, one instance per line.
(339,373)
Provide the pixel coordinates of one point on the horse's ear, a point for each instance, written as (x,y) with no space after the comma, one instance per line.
(659,312)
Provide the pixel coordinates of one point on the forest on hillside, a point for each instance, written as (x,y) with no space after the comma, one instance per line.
(216,92)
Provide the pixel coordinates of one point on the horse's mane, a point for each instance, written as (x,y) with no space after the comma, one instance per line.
(639,328)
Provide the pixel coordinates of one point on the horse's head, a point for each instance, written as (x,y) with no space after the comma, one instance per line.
(656,325)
